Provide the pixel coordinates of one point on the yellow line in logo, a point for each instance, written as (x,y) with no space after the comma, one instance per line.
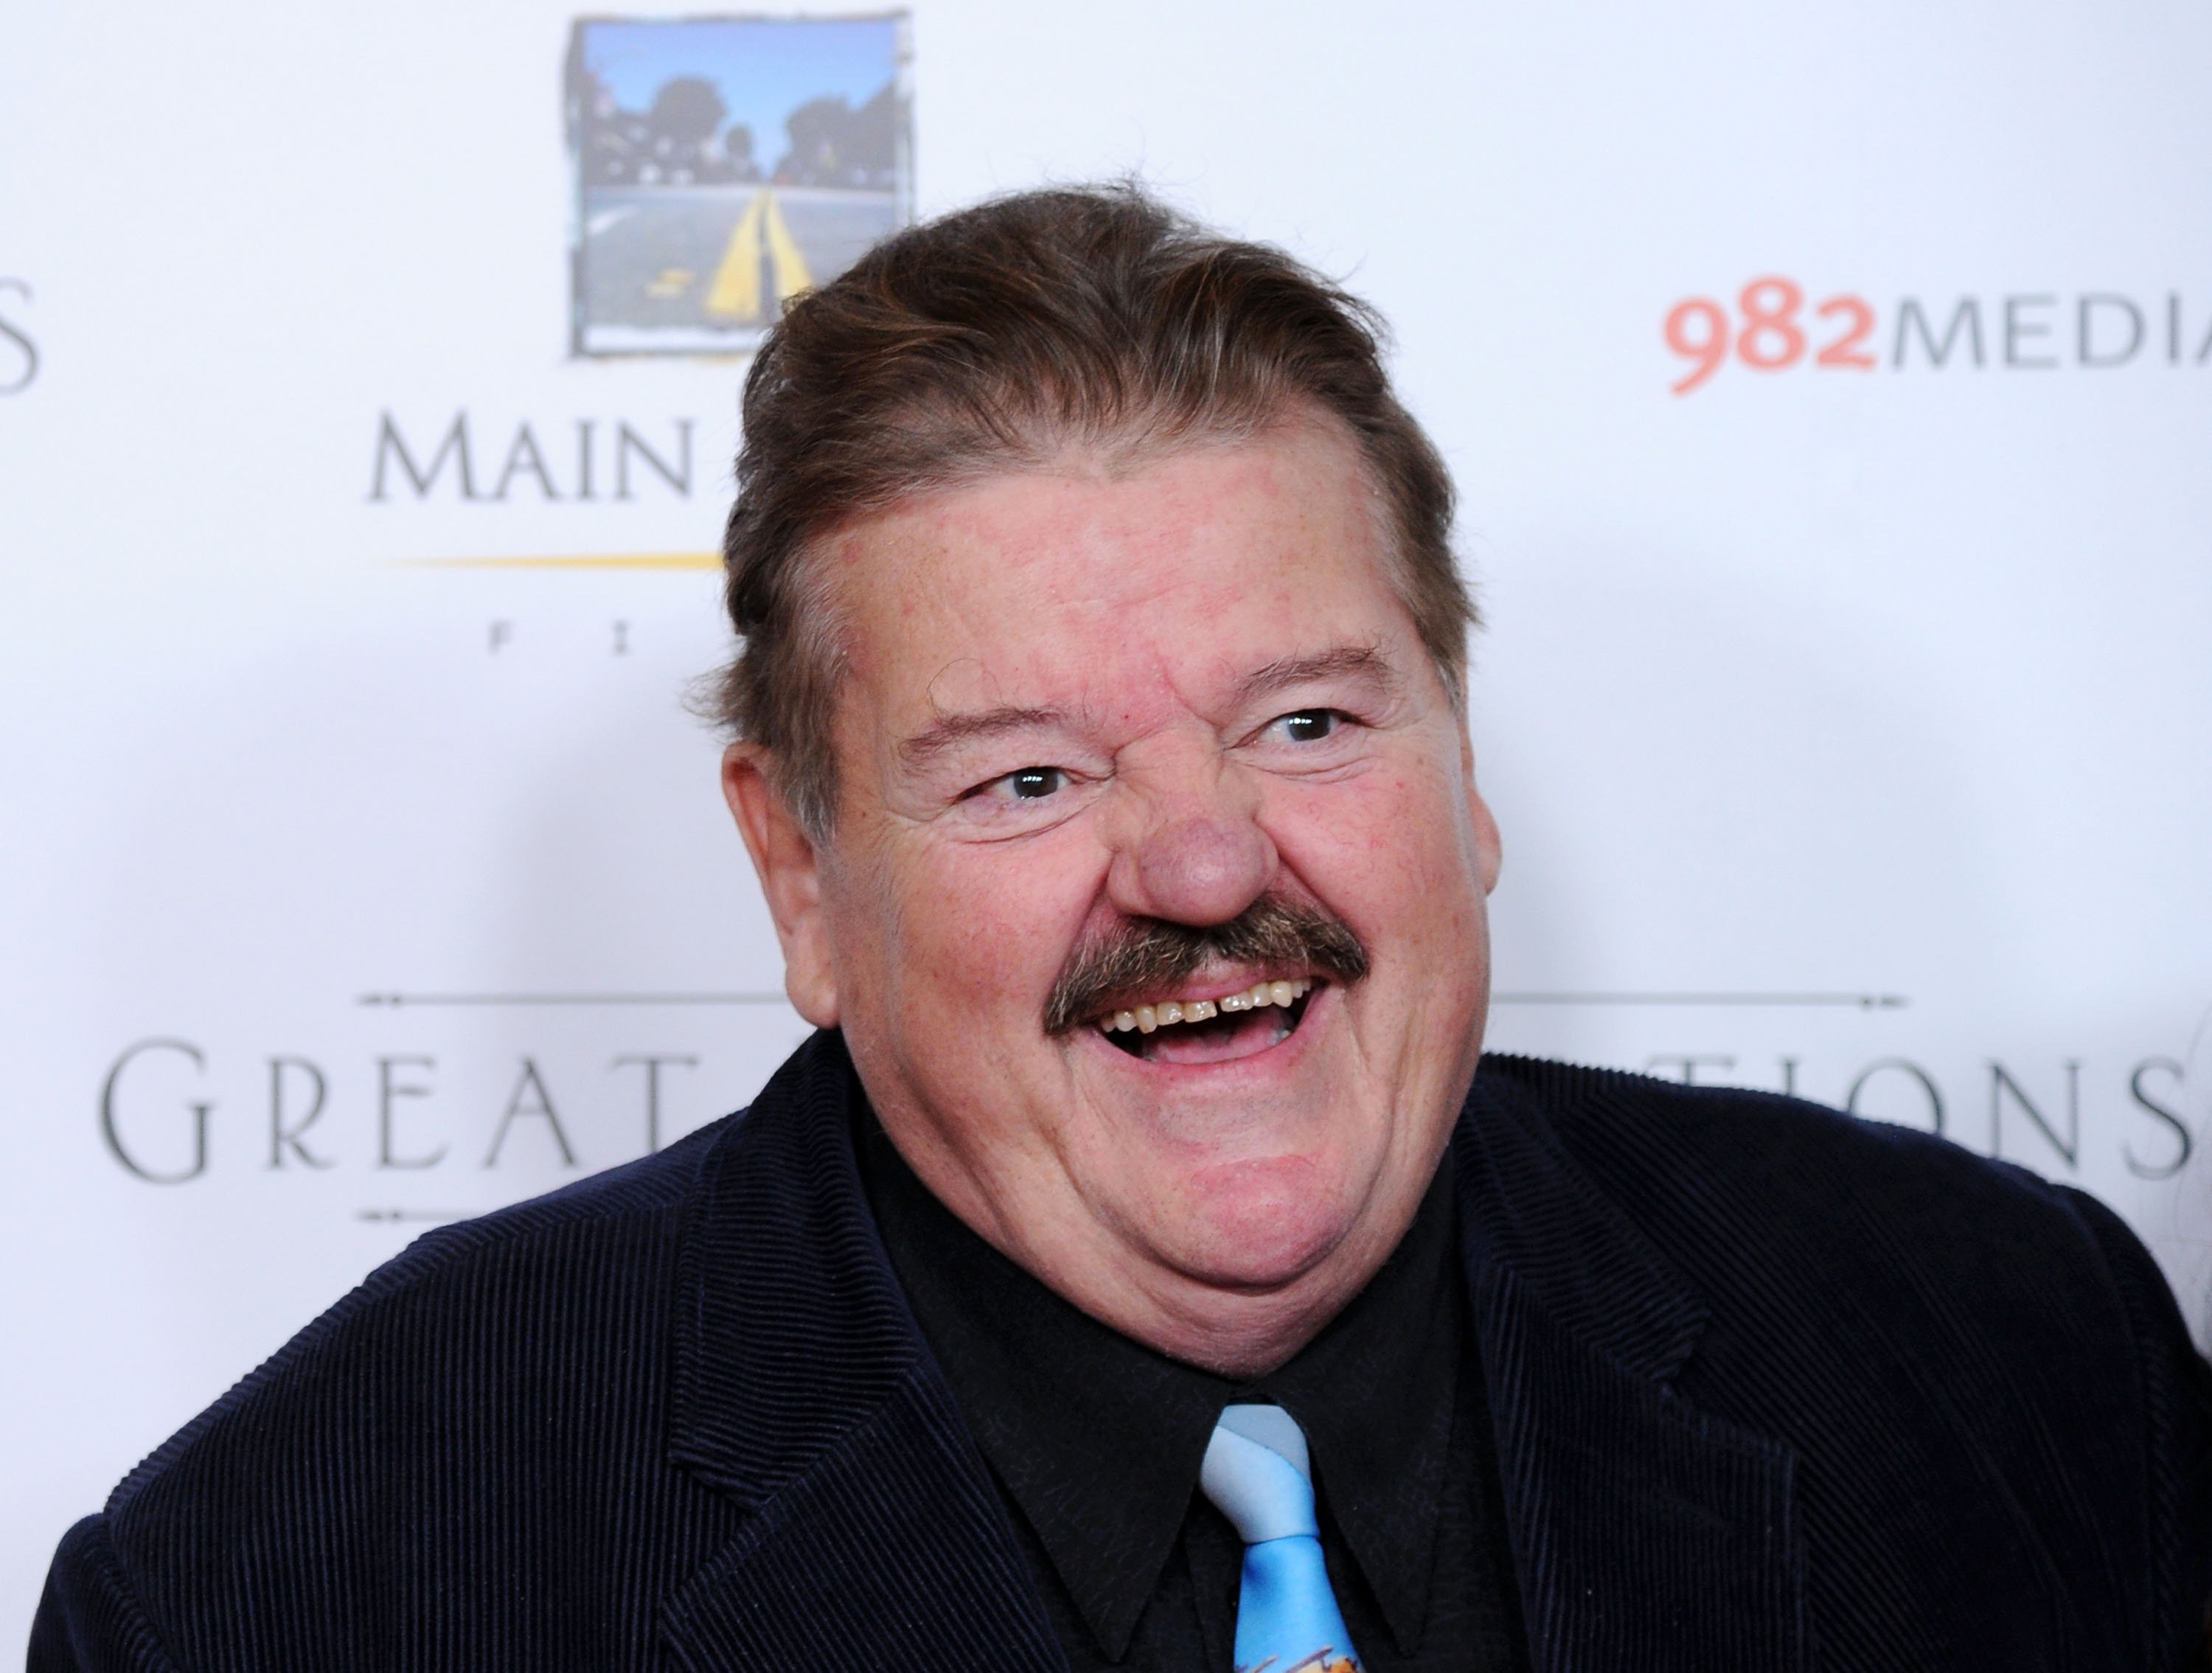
(736,293)
(591,561)
(791,275)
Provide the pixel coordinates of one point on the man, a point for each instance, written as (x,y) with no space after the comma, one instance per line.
(1139,1268)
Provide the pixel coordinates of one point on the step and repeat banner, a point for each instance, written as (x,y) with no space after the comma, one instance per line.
(1830,388)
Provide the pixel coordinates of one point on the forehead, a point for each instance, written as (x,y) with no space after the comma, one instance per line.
(1083,583)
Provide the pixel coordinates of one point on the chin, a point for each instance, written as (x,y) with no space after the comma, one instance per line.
(1260,1225)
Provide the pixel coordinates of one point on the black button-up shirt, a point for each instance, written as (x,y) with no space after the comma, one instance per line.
(1096,1442)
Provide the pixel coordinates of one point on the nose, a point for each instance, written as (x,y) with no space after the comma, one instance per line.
(1192,853)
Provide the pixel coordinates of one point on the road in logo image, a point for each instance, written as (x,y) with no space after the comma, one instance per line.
(1777,325)
(723,165)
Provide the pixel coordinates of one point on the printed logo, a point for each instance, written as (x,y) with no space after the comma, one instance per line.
(170,1109)
(1777,326)
(722,166)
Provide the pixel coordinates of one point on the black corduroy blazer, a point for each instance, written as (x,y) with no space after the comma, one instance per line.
(1772,1389)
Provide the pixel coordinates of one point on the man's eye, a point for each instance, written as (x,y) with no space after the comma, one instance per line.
(1030,784)
(1308,726)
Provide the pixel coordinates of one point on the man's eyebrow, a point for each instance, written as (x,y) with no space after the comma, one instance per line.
(948,731)
(1277,676)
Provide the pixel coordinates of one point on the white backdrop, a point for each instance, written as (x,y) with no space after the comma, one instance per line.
(1850,726)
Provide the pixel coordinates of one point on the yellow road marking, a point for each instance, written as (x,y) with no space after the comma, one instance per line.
(602,560)
(737,289)
(791,275)
(736,293)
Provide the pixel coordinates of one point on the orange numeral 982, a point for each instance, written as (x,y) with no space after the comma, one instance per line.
(1770,338)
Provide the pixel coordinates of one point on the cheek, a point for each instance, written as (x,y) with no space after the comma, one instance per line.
(1391,851)
(992,923)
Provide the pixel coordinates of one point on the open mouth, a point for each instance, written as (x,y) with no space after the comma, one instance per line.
(1211,1031)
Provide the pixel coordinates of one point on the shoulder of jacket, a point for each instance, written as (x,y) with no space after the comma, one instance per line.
(621,1224)
(1781,1171)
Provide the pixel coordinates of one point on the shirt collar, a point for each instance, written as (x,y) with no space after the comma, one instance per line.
(1099,1439)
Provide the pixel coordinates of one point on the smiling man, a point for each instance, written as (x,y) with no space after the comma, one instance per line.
(1151,901)
(1143,1267)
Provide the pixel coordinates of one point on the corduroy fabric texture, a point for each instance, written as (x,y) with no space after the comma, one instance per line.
(1772,1389)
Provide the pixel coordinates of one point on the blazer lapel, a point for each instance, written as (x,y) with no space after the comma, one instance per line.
(803,1390)
(1647,1535)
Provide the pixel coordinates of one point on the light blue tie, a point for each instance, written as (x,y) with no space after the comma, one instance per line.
(1257,1476)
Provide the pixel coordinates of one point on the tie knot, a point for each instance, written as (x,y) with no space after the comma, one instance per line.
(1257,1475)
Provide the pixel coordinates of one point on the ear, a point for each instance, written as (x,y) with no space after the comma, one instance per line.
(1489,847)
(790,872)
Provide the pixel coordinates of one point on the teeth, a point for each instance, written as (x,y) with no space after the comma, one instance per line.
(1148,1019)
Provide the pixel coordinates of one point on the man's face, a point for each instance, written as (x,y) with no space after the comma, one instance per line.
(1082,705)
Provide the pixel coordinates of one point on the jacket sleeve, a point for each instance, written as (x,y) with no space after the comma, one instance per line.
(2177,1399)
(89,1620)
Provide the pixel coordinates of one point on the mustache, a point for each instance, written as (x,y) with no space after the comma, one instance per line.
(1149,953)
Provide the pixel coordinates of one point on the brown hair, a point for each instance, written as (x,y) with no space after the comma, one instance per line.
(989,340)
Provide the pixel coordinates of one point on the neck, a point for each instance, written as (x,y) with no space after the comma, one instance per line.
(1236,1334)
(1237,1331)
